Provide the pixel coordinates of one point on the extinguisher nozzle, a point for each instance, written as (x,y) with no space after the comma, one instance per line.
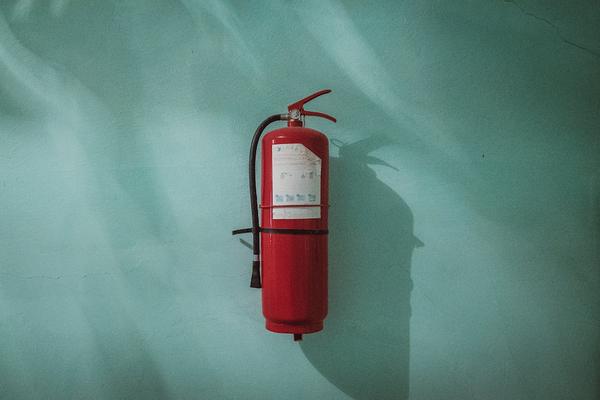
(255,280)
(297,337)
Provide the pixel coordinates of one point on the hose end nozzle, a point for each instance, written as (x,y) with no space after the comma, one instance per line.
(255,279)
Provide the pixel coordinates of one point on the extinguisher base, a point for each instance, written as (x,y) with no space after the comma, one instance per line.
(294,328)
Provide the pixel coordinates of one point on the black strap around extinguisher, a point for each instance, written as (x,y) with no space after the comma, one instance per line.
(283,231)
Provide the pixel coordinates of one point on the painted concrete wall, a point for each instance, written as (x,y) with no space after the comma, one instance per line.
(471,125)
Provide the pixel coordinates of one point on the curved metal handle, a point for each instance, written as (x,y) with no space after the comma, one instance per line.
(298,107)
(319,114)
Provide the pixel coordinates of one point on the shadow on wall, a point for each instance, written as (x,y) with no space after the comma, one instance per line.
(124,362)
(364,348)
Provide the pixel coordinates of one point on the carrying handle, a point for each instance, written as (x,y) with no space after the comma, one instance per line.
(296,110)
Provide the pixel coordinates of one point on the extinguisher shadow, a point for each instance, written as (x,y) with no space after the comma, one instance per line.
(364,348)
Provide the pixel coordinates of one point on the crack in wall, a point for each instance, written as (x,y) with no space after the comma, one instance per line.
(66,276)
(555,28)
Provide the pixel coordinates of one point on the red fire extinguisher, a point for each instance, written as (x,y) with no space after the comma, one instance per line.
(292,237)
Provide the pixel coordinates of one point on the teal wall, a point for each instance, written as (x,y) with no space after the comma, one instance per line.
(469,126)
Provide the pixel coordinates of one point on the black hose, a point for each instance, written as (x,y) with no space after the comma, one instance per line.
(255,280)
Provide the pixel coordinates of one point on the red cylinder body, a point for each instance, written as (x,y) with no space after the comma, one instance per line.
(295,182)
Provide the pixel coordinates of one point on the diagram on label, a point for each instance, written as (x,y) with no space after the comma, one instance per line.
(296,180)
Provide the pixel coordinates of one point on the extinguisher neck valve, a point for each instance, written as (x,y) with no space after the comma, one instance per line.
(296,111)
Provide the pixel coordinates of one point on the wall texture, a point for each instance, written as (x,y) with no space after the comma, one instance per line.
(471,127)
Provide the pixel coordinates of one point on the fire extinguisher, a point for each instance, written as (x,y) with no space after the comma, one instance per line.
(290,245)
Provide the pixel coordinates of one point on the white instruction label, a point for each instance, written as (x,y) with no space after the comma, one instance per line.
(296,212)
(296,181)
